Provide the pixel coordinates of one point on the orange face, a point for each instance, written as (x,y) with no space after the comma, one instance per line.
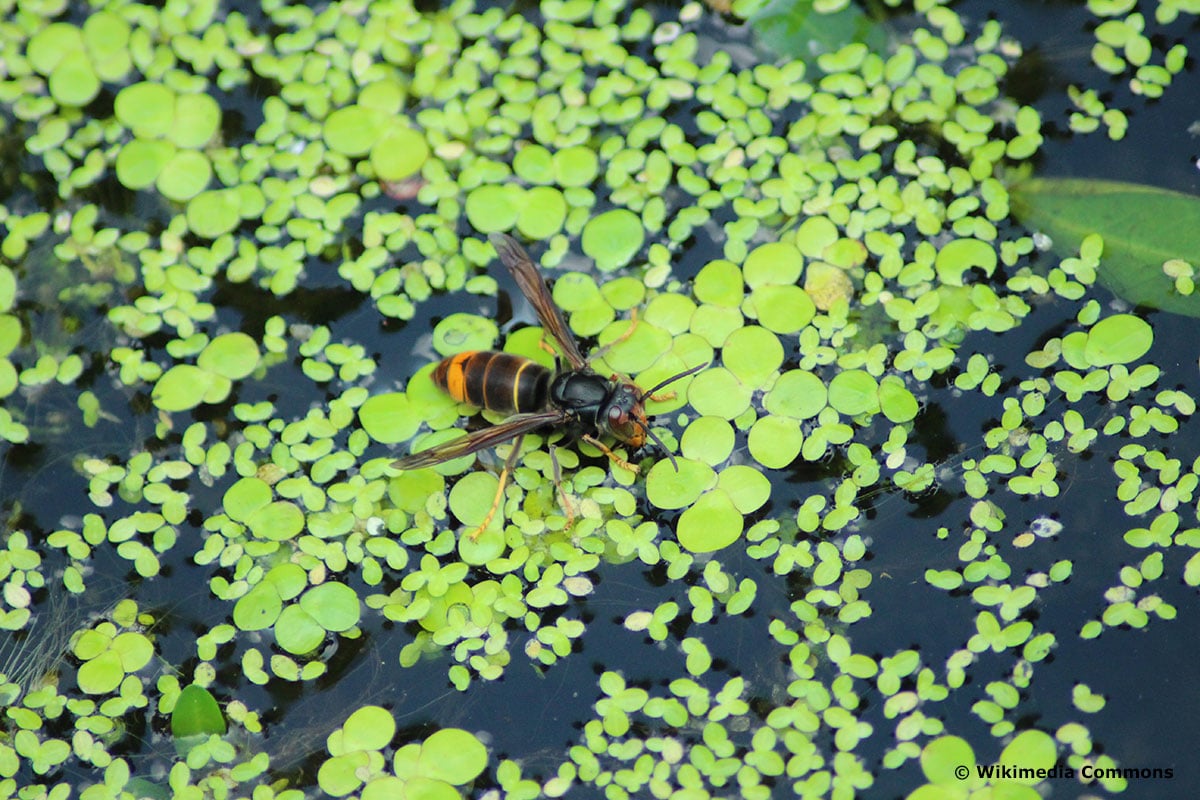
(624,416)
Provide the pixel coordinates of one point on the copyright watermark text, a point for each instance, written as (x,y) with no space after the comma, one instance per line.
(1086,773)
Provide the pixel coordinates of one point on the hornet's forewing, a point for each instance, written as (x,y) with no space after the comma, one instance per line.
(533,286)
(482,439)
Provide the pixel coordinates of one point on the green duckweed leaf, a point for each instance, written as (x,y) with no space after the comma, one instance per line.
(399,153)
(854,392)
(492,208)
(245,497)
(133,649)
(1032,750)
(183,176)
(613,238)
(775,263)
(1143,227)
(775,441)
(719,283)
(147,109)
(896,401)
(353,130)
(940,757)
(800,394)
(576,166)
(333,605)
(389,418)
(961,255)
(452,755)
(471,498)
(74,81)
(182,387)
(196,713)
(339,776)
(782,309)
(368,728)
(233,355)
(141,160)
(748,488)
(50,45)
(258,609)
(668,489)
(277,521)
(543,213)
(1119,339)
(297,632)
(711,523)
(717,392)
(458,333)
(709,440)
(197,119)
(534,164)
(101,674)
(214,212)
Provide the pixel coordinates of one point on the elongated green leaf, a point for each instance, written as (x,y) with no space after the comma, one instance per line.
(1142,227)
(795,28)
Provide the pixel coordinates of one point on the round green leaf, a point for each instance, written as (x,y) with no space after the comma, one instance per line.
(797,393)
(258,608)
(709,440)
(748,488)
(613,238)
(543,213)
(452,755)
(246,496)
(775,263)
(534,164)
(854,392)
(389,418)
(399,153)
(492,208)
(101,674)
(712,523)
(576,166)
(368,728)
(897,402)
(1031,749)
(184,175)
(74,82)
(197,118)
(181,387)
(458,333)
(783,309)
(48,47)
(667,488)
(141,160)
(297,632)
(333,605)
(353,130)
(277,521)
(960,255)
(940,757)
(147,109)
(133,649)
(719,283)
(775,441)
(716,392)
(1119,339)
(214,212)
(234,355)
(339,776)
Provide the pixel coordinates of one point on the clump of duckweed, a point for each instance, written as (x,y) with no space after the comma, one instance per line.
(849,223)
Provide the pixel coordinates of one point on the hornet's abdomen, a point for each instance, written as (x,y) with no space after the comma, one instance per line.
(499,382)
